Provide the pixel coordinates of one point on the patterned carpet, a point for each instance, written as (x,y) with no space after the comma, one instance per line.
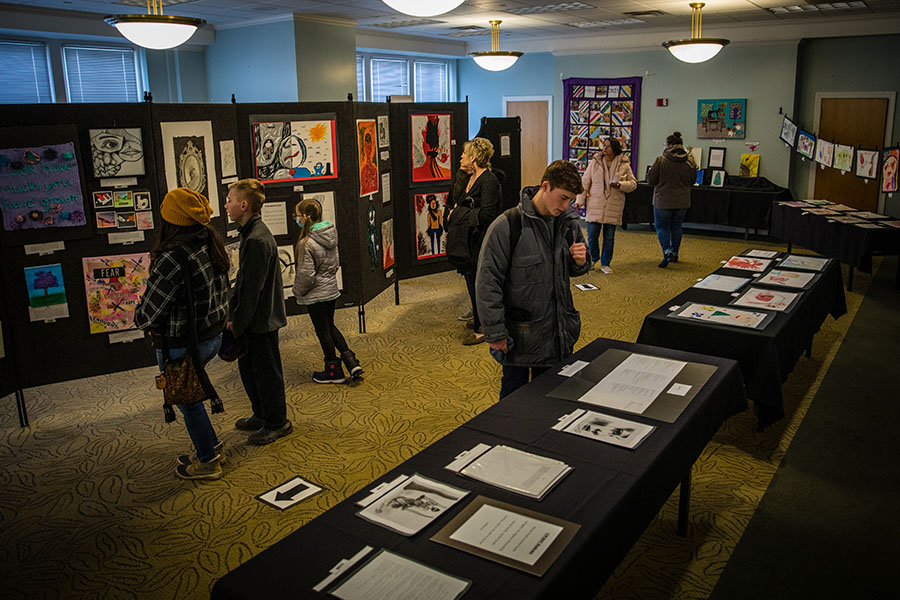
(90,506)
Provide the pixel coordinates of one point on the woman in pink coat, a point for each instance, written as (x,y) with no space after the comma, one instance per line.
(606,180)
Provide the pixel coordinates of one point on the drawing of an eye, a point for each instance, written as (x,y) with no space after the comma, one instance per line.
(109,143)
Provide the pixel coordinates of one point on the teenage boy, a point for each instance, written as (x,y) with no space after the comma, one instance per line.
(523,293)
(257,312)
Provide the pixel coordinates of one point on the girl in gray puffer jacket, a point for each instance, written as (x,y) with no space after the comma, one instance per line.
(315,286)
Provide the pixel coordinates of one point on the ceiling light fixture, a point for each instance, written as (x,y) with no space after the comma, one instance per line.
(418,8)
(496,59)
(155,30)
(696,49)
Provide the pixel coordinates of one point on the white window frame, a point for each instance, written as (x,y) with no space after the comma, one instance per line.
(410,70)
(139,64)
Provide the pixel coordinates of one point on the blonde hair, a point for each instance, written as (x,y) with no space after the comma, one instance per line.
(480,150)
(252,191)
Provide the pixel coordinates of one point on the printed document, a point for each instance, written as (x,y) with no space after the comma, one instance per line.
(634,384)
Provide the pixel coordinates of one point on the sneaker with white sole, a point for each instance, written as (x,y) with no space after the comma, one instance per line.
(219,449)
(606,269)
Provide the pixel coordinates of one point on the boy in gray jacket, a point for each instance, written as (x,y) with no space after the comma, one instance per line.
(523,294)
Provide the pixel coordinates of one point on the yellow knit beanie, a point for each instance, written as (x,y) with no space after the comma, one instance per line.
(183,206)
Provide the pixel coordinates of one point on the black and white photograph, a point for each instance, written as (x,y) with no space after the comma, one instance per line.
(412,504)
(716,158)
(610,430)
(788,132)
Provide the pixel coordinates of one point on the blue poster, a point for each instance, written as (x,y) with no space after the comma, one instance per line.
(46,293)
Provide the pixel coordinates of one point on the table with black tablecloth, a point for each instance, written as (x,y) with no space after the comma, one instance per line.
(612,492)
(766,356)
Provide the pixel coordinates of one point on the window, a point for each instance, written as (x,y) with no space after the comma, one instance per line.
(360,77)
(24,73)
(431,82)
(389,77)
(97,74)
(426,79)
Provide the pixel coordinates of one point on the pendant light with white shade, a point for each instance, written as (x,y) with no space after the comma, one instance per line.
(495,59)
(155,30)
(697,49)
(423,8)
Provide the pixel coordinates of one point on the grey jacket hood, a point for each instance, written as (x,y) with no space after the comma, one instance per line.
(326,236)
(676,153)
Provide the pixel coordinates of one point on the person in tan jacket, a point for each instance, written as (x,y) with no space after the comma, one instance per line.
(606,180)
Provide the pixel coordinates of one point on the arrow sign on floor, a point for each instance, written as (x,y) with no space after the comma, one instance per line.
(289,493)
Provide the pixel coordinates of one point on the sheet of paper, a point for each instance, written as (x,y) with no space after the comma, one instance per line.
(412,504)
(806,263)
(679,389)
(517,471)
(779,300)
(390,576)
(635,383)
(762,253)
(576,366)
(722,283)
(610,430)
(786,278)
(508,534)
(504,145)
(274,215)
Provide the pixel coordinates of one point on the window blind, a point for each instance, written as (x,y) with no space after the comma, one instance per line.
(96,74)
(389,77)
(24,73)
(432,82)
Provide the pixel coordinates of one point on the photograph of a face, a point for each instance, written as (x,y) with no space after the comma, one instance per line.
(411,505)
(610,430)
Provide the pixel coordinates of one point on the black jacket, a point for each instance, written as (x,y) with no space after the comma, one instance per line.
(257,301)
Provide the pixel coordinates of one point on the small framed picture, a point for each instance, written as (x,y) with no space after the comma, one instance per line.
(142,200)
(716,158)
(788,131)
(717,179)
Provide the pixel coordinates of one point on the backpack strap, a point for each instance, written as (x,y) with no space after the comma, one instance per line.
(514,216)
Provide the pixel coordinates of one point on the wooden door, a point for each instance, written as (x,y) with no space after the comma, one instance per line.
(533,114)
(857,122)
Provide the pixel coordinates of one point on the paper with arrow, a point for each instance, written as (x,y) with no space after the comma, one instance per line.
(289,493)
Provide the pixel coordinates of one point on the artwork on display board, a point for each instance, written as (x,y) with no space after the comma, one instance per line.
(717,179)
(430,236)
(749,165)
(889,160)
(806,144)
(188,158)
(722,118)
(716,158)
(384,134)
(41,188)
(326,201)
(142,201)
(46,293)
(387,243)
(288,268)
(867,163)
(103,200)
(123,199)
(106,219)
(791,279)
(696,153)
(233,252)
(430,141)
(367,156)
(301,148)
(824,152)
(114,286)
(372,236)
(843,158)
(227,160)
(126,220)
(788,131)
(117,152)
(144,219)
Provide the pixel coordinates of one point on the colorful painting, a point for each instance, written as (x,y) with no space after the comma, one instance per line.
(722,118)
(721,315)
(292,150)
(106,219)
(103,199)
(123,199)
(843,158)
(788,131)
(126,220)
(46,293)
(188,158)
(430,236)
(749,165)
(805,263)
(114,286)
(806,144)
(767,299)
(747,263)
(366,140)
(717,179)
(144,220)
(233,251)
(824,152)
(790,279)
(889,160)
(430,141)
(387,243)
(867,163)
(117,152)
(41,188)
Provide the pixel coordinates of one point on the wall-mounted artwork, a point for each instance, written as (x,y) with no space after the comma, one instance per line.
(103,199)
(430,235)
(788,131)
(144,219)
(430,141)
(749,165)
(289,150)
(117,152)
(384,134)
(188,156)
(889,160)
(867,163)
(142,201)
(41,188)
(46,293)
(126,220)
(367,158)
(824,152)
(372,236)
(722,118)
(106,219)
(227,160)
(843,158)
(716,158)
(123,199)
(114,286)
(233,252)
(806,144)
(387,243)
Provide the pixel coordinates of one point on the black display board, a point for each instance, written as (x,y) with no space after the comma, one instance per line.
(8,376)
(505,133)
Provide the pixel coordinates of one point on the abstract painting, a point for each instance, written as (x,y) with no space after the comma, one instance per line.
(366,139)
(722,118)
(806,144)
(791,279)
(117,152)
(805,263)
(746,263)
(788,132)
(430,141)
(46,293)
(188,157)
(867,163)
(843,158)
(824,152)
(722,315)
(430,236)
(286,151)
(144,219)
(387,243)
(889,160)
(749,165)
(767,299)
(114,286)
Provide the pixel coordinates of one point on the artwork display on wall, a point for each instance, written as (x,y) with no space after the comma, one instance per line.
(227,160)
(123,199)
(824,152)
(843,158)
(367,156)
(867,163)
(722,118)
(103,199)
(387,243)
(142,201)
(889,160)
(716,158)
(300,148)
(46,293)
(749,165)
(372,236)
(233,252)
(430,236)
(188,157)
(106,219)
(144,219)
(788,131)
(117,152)
(114,286)
(41,188)
(126,220)
(806,144)
(430,140)
(384,133)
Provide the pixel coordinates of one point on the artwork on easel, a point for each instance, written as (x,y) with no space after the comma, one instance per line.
(430,238)
(843,158)
(788,131)
(366,137)
(749,165)
(722,315)
(806,144)
(387,243)
(46,293)
(430,141)
(889,163)
(824,152)
(285,151)
(867,163)
(722,118)
(117,152)
(114,286)
(188,158)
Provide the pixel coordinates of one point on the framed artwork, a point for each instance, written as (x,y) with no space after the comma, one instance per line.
(696,155)
(106,219)
(384,134)
(188,158)
(788,131)
(144,219)
(287,149)
(717,179)
(46,293)
(843,158)
(889,160)
(387,243)
(123,199)
(430,141)
(749,165)
(366,139)
(867,163)
(126,220)
(103,200)
(722,118)
(430,237)
(117,152)
(824,152)
(806,144)
(114,286)
(716,158)
(288,264)
(142,200)
(227,159)
(233,251)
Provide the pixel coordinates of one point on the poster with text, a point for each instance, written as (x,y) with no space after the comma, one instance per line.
(430,141)
(114,286)
(430,236)
(297,149)
(46,293)
(366,155)
(188,156)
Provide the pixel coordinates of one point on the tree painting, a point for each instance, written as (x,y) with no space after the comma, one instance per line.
(45,286)
(44,280)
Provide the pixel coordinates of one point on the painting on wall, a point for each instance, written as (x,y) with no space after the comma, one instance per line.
(722,118)
(749,165)
(889,159)
(285,151)
(430,238)
(387,243)
(114,286)
(806,144)
(233,251)
(117,152)
(824,152)
(843,158)
(430,141)
(866,163)
(188,157)
(366,139)
(788,131)
(46,293)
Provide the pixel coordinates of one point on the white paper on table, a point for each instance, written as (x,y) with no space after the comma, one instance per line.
(769,299)
(576,366)
(762,253)
(465,457)
(807,263)
(786,278)
(635,383)
(721,283)
(274,215)
(517,471)
(508,534)
(604,428)
(389,576)
(412,504)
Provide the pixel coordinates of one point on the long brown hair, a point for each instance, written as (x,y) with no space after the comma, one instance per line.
(167,235)
(312,210)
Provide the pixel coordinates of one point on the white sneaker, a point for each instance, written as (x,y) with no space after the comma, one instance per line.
(606,270)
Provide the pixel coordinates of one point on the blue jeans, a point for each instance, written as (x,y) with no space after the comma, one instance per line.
(515,377)
(195,418)
(668,228)
(603,255)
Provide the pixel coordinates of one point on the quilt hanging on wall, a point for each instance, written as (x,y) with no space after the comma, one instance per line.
(188,156)
(114,286)
(430,141)
(722,118)
(294,148)
(598,109)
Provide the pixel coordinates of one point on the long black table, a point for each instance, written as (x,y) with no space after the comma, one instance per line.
(613,493)
(766,356)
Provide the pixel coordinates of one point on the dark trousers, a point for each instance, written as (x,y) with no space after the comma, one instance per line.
(263,379)
(470,285)
(322,316)
(515,377)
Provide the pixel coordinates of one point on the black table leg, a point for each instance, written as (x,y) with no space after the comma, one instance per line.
(361,313)
(23,411)
(790,245)
(684,505)
(850,279)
